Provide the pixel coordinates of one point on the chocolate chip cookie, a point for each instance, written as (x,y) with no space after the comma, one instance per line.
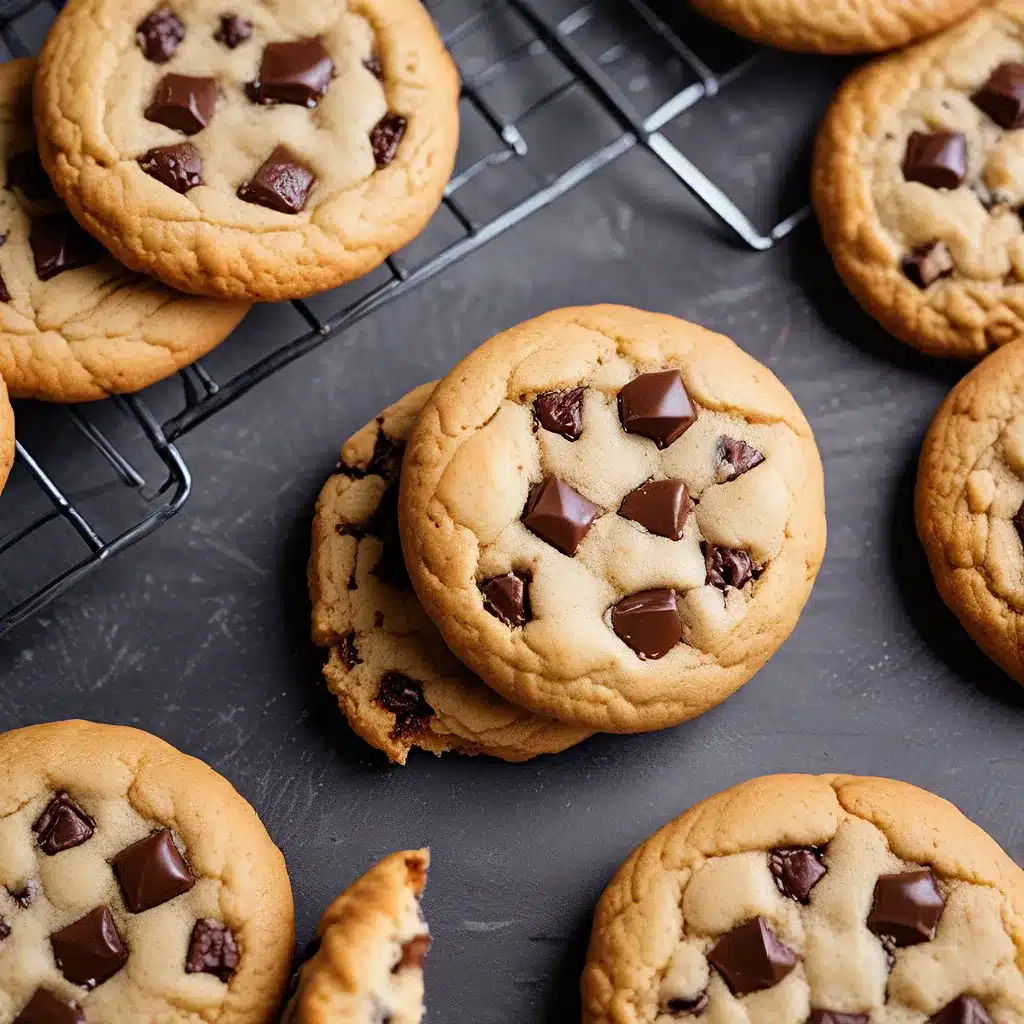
(6,435)
(397,683)
(75,325)
(799,899)
(614,517)
(248,150)
(136,885)
(919,181)
(366,963)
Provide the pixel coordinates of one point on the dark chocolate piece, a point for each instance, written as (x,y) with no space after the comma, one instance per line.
(45,1008)
(298,72)
(5,930)
(906,907)
(648,622)
(727,567)
(656,405)
(797,870)
(735,458)
(1018,522)
(964,1009)
(1002,96)
(751,957)
(507,598)
(151,872)
(25,173)
(159,35)
(178,167)
(386,460)
(936,159)
(385,138)
(661,506)
(25,896)
(348,652)
(280,184)
(561,412)
(559,515)
(183,102)
(5,295)
(925,264)
(90,950)
(414,952)
(234,30)
(58,243)
(62,825)
(403,697)
(212,950)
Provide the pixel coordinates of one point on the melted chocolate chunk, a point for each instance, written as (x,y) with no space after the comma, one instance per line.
(279,184)
(374,66)
(963,1010)
(403,697)
(26,896)
(796,870)
(386,460)
(212,950)
(348,652)
(1002,96)
(561,412)
(234,30)
(508,598)
(178,167)
(151,872)
(58,243)
(25,173)
(834,1017)
(62,825)
(661,506)
(90,950)
(925,264)
(680,1007)
(559,515)
(752,958)
(648,623)
(734,459)
(298,72)
(656,405)
(183,103)
(159,35)
(45,1008)
(385,138)
(5,295)
(906,907)
(727,567)
(936,159)
(414,952)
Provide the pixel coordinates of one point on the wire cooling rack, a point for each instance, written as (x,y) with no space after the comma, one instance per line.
(618,71)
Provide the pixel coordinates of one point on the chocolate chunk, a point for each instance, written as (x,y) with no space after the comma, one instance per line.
(834,1017)
(679,1007)
(906,907)
(507,598)
(59,243)
(648,622)
(151,872)
(5,295)
(963,1010)
(385,138)
(5,930)
(212,950)
(298,72)
(656,405)
(752,958)
(727,567)
(936,159)
(559,515)
(374,66)
(183,103)
(234,30)
(90,950)
(348,652)
(25,172)
(25,896)
(797,870)
(386,460)
(414,952)
(159,35)
(662,506)
(925,264)
(403,697)
(1002,96)
(62,825)
(561,412)
(735,458)
(279,184)
(179,167)
(45,1008)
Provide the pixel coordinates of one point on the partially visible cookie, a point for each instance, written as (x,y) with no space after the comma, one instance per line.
(74,325)
(918,182)
(6,435)
(800,899)
(136,885)
(366,963)
(397,683)
(251,150)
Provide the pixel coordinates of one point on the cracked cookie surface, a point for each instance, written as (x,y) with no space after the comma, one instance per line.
(827,899)
(395,680)
(614,517)
(366,963)
(74,325)
(251,150)
(137,885)
(918,183)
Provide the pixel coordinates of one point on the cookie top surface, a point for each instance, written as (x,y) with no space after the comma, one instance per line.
(367,959)
(918,179)
(137,885)
(6,435)
(970,504)
(307,140)
(397,683)
(796,898)
(836,26)
(75,325)
(656,493)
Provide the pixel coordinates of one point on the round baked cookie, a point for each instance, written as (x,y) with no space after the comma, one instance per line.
(261,150)
(74,325)
(6,435)
(970,504)
(918,180)
(397,683)
(366,963)
(137,885)
(836,26)
(801,899)
(614,517)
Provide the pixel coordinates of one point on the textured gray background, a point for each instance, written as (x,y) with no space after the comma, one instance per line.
(200,633)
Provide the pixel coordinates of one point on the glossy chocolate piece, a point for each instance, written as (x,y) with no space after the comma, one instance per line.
(151,872)
(159,35)
(964,1009)
(507,598)
(233,31)
(280,184)
(734,458)
(559,515)
(25,173)
(648,622)
(183,103)
(386,137)
(414,952)
(90,950)
(906,907)
(62,825)
(403,697)
(1002,96)
(727,567)
(796,870)
(212,950)
(58,243)
(683,1007)
(386,460)
(656,405)
(936,159)
(178,167)
(561,412)
(751,957)
(834,1017)
(46,1008)
(925,264)
(661,506)
(298,72)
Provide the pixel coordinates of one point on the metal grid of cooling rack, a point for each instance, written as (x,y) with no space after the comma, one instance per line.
(530,30)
